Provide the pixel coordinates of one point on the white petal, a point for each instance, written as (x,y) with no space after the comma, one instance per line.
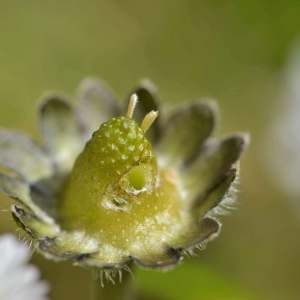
(281,150)
(12,253)
(18,279)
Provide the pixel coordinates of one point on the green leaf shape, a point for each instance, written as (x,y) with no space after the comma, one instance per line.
(212,164)
(22,155)
(63,136)
(33,225)
(148,100)
(96,104)
(197,236)
(185,132)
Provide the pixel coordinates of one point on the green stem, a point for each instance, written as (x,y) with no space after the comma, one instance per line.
(123,290)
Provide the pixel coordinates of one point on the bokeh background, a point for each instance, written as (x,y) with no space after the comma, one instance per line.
(243,53)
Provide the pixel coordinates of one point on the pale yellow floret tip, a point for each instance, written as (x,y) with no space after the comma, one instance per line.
(149,120)
(132,104)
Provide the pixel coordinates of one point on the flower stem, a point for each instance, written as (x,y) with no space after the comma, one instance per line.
(122,290)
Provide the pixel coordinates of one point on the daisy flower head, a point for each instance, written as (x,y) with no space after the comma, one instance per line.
(111,186)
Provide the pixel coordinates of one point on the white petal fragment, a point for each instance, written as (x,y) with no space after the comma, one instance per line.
(18,280)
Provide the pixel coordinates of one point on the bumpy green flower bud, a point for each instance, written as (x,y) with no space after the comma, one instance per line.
(108,189)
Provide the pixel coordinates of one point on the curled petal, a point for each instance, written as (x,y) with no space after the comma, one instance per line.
(97,104)
(19,190)
(165,260)
(24,156)
(148,99)
(34,226)
(15,188)
(68,245)
(205,231)
(103,260)
(61,131)
(185,132)
(45,193)
(216,196)
(48,247)
(212,164)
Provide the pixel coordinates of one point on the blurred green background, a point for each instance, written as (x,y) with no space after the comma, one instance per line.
(234,51)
